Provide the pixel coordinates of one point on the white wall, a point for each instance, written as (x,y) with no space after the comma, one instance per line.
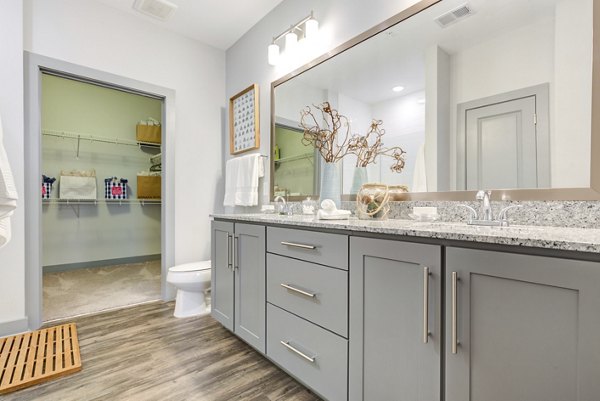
(12,256)
(97,36)
(514,60)
(572,128)
(340,20)
(293,98)
(404,123)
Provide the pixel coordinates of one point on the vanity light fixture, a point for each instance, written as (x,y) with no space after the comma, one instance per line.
(291,41)
(398,88)
(273,53)
(307,28)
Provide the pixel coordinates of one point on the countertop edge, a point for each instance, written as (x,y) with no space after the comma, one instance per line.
(545,238)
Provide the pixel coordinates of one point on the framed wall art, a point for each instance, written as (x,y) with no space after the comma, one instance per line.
(244,131)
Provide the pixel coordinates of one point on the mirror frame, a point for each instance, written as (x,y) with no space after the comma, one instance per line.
(561,194)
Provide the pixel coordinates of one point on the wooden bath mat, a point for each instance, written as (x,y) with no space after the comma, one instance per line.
(38,356)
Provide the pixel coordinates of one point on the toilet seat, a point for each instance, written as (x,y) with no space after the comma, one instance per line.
(191,267)
(192,281)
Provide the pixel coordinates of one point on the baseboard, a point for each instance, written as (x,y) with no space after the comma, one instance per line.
(100,263)
(12,327)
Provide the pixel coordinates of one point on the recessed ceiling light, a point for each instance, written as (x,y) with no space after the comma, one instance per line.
(398,88)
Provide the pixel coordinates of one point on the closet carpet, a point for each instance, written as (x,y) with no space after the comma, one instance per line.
(143,353)
(82,291)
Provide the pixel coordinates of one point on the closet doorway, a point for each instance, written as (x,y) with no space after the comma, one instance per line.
(101,166)
(100,234)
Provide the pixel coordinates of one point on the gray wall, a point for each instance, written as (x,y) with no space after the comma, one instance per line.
(339,21)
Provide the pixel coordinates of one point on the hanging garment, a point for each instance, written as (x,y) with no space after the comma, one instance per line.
(241,180)
(8,194)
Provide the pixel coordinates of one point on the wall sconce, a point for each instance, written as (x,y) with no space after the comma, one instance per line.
(306,28)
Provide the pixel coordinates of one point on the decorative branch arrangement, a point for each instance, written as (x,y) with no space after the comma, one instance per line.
(327,139)
(368,147)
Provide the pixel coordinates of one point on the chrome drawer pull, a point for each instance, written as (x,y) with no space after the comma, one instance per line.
(229,251)
(303,246)
(454,312)
(236,254)
(426,274)
(299,291)
(302,354)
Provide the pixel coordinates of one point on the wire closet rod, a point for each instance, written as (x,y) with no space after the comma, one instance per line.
(95,138)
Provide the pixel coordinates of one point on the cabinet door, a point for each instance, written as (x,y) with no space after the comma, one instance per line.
(250,293)
(222,273)
(395,321)
(521,328)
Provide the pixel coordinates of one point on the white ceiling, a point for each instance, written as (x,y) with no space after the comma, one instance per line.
(218,23)
(368,71)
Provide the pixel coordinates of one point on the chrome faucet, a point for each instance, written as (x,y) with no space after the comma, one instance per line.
(281,205)
(485,216)
(485,207)
(503,215)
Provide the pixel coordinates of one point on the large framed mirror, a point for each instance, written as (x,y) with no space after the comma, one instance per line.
(480,94)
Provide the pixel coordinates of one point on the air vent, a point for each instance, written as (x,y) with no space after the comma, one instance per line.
(159,9)
(454,16)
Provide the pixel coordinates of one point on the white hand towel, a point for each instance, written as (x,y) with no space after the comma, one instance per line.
(231,173)
(8,194)
(4,231)
(241,180)
(335,215)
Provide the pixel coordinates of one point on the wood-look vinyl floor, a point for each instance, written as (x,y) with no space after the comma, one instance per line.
(144,353)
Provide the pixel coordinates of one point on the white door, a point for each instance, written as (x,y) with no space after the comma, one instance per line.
(506,141)
(501,145)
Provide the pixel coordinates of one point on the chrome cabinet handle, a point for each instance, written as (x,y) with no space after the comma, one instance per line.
(229,251)
(236,255)
(297,351)
(454,313)
(299,291)
(303,246)
(426,274)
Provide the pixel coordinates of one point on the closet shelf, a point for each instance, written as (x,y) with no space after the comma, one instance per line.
(94,138)
(307,156)
(94,202)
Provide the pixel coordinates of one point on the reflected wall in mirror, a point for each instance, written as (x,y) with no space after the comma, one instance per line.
(294,164)
(483,94)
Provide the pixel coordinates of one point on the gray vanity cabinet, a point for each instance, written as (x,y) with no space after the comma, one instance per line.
(395,320)
(521,327)
(222,273)
(238,280)
(250,293)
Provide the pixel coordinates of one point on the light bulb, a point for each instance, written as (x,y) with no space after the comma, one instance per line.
(273,54)
(312,28)
(291,42)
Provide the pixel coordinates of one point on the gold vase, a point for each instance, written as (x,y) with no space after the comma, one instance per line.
(372,202)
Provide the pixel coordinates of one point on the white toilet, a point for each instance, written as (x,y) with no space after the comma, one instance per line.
(192,281)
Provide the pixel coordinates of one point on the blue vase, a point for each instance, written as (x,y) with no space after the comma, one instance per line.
(360,178)
(331,183)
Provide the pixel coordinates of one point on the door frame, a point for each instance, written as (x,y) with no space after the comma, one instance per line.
(542,108)
(34,65)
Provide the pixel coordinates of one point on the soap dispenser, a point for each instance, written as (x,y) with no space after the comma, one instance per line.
(309,206)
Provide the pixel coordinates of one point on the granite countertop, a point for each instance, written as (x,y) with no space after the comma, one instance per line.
(558,238)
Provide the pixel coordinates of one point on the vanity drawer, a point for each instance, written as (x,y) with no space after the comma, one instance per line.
(323,248)
(313,355)
(314,292)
